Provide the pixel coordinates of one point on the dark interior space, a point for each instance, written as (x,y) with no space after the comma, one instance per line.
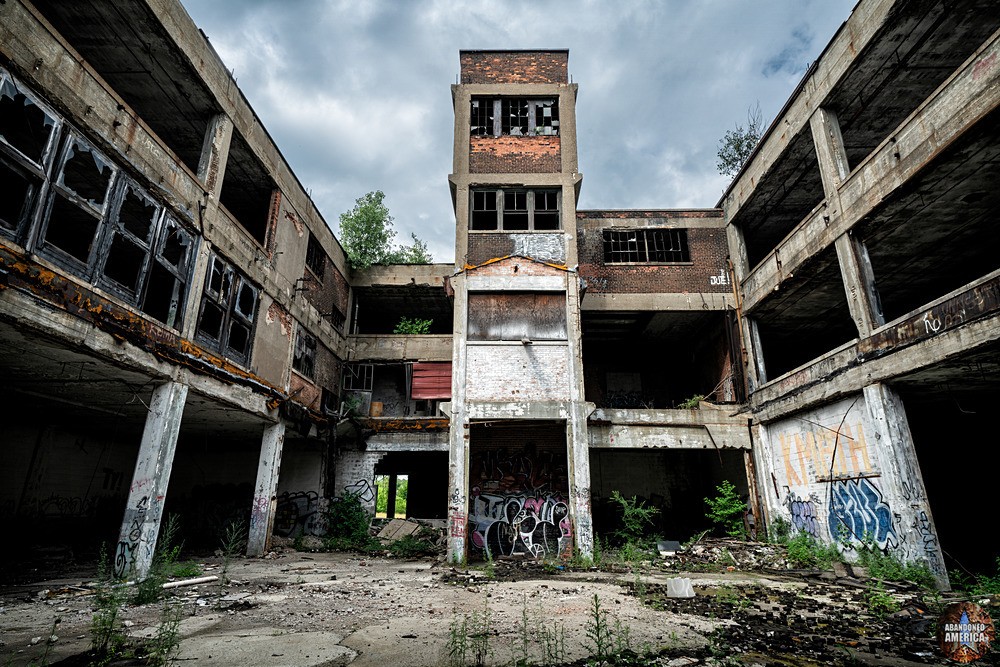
(380,308)
(247,189)
(655,360)
(427,474)
(950,410)
(807,318)
(675,481)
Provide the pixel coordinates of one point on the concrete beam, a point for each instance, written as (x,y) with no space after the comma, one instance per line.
(436,441)
(397,347)
(551,410)
(957,323)
(265,499)
(668,429)
(144,508)
(402,275)
(594,301)
(969,94)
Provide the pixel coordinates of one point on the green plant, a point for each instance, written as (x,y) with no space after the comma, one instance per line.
(737,145)
(885,565)
(411,546)
(150,588)
(164,645)
(107,627)
(880,602)
(780,531)
(637,517)
(413,326)
(348,523)
(382,497)
(489,569)
(185,570)
(692,403)
(366,234)
(726,510)
(805,551)
(734,597)
(977,584)
(598,631)
(232,543)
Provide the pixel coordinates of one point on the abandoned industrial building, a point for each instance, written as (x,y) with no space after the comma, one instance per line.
(181,331)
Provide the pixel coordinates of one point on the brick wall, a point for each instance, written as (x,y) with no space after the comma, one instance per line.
(355,473)
(514,155)
(332,291)
(708,248)
(518,266)
(518,373)
(545,247)
(515,66)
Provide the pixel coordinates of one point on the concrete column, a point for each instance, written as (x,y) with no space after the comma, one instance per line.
(577,440)
(144,509)
(855,267)
(265,500)
(458,434)
(754,362)
(215,154)
(390,507)
(918,538)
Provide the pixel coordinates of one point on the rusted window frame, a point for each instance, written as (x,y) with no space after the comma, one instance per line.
(304,353)
(226,298)
(647,242)
(532,209)
(316,258)
(356,373)
(491,116)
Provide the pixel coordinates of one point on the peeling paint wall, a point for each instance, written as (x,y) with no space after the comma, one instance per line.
(518,372)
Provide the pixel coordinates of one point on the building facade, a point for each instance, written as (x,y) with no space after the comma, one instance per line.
(183,335)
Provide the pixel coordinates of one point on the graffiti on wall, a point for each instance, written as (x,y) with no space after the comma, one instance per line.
(858,512)
(362,489)
(517,504)
(817,453)
(130,543)
(299,513)
(804,513)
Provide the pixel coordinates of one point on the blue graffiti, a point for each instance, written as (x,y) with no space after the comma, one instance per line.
(803,513)
(858,505)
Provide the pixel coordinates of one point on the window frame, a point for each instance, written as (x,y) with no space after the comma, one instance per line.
(316,257)
(648,241)
(502,196)
(491,116)
(304,353)
(226,298)
(358,373)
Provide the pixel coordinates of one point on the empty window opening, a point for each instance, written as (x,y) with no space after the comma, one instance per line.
(513,116)
(517,316)
(304,357)
(315,257)
(16,204)
(86,173)
(247,190)
(391,500)
(358,377)
(70,228)
(228,310)
(24,125)
(515,210)
(645,246)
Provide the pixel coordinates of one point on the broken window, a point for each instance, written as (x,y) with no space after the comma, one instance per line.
(248,190)
(358,377)
(166,288)
(337,318)
(304,356)
(515,210)
(228,310)
(514,116)
(517,316)
(28,134)
(315,256)
(646,246)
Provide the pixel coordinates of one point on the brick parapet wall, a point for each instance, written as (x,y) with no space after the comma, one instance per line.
(514,66)
(515,155)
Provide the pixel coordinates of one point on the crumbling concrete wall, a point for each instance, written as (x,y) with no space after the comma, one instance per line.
(355,473)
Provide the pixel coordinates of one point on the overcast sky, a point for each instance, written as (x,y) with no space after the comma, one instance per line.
(356,93)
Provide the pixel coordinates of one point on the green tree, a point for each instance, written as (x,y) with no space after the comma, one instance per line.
(738,144)
(366,233)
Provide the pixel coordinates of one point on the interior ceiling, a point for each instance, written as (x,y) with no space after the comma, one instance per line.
(649,326)
(381,306)
(125,43)
(973,376)
(62,385)
(921,43)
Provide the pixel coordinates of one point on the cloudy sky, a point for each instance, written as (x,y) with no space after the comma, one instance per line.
(356,92)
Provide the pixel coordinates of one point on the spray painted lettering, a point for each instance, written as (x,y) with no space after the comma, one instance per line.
(858,505)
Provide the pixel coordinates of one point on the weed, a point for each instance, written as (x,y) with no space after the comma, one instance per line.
(167,641)
(299,543)
(733,597)
(107,628)
(978,584)
(598,631)
(489,569)
(885,565)
(348,523)
(413,326)
(636,517)
(458,641)
(233,542)
(805,551)
(185,570)
(691,403)
(726,510)
(880,602)
(150,589)
(469,637)
(49,640)
(780,531)
(411,546)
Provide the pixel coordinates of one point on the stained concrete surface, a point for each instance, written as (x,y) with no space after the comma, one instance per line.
(340,609)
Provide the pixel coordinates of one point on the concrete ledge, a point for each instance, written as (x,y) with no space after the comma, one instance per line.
(657,302)
(399,347)
(668,429)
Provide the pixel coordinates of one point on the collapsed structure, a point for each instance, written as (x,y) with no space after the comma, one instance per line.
(181,330)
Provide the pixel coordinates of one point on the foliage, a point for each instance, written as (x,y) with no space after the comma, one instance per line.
(382,499)
(413,326)
(978,584)
(469,637)
(366,233)
(233,542)
(780,531)
(726,510)
(738,144)
(884,565)
(164,645)
(880,602)
(348,525)
(636,517)
(185,570)
(691,403)
(150,589)
(107,628)
(411,546)
(804,550)
(605,638)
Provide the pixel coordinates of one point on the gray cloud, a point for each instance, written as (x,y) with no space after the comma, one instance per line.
(356,94)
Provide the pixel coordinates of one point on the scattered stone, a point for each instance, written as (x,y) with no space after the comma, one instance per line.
(35,640)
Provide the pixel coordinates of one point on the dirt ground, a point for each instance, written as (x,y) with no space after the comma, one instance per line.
(293,608)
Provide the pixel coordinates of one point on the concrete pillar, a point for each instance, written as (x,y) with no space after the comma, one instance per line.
(215,154)
(265,499)
(855,266)
(144,509)
(577,440)
(390,507)
(918,539)
(750,342)
(458,433)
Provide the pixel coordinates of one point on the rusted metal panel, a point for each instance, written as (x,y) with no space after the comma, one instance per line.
(517,316)
(398,424)
(431,380)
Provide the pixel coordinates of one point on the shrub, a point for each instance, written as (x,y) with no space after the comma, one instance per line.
(413,326)
(636,517)
(804,550)
(885,565)
(726,510)
(411,546)
(348,525)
